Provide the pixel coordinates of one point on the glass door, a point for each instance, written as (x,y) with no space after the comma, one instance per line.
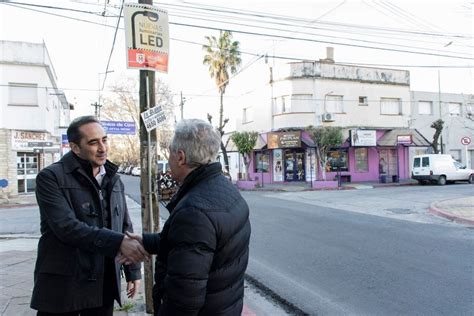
(27,169)
(294,165)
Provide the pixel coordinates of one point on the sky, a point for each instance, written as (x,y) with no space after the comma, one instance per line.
(406,35)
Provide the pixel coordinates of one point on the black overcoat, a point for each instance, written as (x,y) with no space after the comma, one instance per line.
(69,271)
(203,249)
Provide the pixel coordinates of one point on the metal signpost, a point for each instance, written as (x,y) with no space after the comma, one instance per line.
(147,41)
(466,141)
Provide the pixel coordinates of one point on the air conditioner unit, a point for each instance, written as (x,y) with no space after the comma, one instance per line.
(328,117)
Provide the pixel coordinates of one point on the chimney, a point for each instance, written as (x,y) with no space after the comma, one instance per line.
(329,56)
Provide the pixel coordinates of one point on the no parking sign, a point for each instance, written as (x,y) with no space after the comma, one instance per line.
(465,140)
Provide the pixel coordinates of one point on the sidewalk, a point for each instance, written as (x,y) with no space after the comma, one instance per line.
(17,261)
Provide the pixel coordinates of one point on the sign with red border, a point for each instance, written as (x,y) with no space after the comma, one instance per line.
(146,37)
(465,140)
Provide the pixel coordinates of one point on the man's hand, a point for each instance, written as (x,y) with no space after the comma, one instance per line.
(137,237)
(132,288)
(131,251)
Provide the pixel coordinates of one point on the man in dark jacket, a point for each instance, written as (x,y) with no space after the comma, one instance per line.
(84,218)
(203,249)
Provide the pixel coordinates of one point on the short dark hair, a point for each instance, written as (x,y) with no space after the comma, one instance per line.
(73,133)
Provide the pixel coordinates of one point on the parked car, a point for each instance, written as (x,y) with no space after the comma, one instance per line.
(438,168)
(136,171)
(128,170)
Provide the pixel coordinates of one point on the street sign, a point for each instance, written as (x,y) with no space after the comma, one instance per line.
(465,140)
(153,118)
(40,144)
(146,37)
(118,127)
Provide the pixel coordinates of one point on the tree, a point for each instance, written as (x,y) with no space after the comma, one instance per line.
(222,55)
(122,105)
(245,142)
(325,138)
(438,126)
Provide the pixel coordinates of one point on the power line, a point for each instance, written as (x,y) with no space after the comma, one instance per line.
(113,45)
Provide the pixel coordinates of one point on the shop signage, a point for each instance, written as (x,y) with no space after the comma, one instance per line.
(146,37)
(118,127)
(284,140)
(404,139)
(363,138)
(21,139)
(64,144)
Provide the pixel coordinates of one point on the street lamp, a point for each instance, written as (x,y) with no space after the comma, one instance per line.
(439,100)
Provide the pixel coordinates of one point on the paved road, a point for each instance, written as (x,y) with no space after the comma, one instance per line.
(374,252)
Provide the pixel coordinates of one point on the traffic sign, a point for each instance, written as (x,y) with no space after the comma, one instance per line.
(465,140)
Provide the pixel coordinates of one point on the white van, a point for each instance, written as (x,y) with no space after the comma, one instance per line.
(439,169)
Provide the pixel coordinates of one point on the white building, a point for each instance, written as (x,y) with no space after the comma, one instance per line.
(456,110)
(373,102)
(34,114)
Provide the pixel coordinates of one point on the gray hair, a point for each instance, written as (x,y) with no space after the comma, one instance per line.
(198,139)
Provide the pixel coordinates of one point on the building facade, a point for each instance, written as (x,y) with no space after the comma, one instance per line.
(456,110)
(371,105)
(33,114)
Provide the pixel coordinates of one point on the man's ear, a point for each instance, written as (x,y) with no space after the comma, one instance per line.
(74,147)
(181,158)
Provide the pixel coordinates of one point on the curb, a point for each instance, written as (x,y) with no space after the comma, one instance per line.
(17,205)
(437,211)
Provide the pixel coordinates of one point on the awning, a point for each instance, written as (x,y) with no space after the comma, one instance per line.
(259,145)
(401,135)
(308,142)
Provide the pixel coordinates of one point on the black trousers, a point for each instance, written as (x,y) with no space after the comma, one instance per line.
(109,295)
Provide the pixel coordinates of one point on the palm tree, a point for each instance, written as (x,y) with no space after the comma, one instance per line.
(222,55)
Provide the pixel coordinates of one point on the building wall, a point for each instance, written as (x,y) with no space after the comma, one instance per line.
(23,124)
(455,126)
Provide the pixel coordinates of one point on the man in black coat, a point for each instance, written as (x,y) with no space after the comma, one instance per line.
(84,218)
(203,249)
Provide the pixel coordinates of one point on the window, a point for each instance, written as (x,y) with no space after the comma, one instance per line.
(25,94)
(470,109)
(454,109)
(282,104)
(247,115)
(456,154)
(425,162)
(416,163)
(301,103)
(337,158)
(363,101)
(333,104)
(261,161)
(425,107)
(390,106)
(361,159)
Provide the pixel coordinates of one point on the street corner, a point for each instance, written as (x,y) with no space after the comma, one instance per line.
(460,210)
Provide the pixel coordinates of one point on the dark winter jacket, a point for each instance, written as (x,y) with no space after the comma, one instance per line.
(203,249)
(69,271)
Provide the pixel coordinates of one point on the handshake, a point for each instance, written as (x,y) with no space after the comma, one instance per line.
(131,249)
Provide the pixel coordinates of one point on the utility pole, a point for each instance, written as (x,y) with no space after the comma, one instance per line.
(149,198)
(97,109)
(181,104)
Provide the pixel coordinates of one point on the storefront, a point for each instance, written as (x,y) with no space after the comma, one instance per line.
(366,155)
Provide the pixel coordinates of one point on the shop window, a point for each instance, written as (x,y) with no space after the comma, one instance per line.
(337,158)
(261,162)
(361,159)
(425,107)
(390,106)
(24,94)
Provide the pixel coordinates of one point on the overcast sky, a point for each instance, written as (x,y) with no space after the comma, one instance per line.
(389,34)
